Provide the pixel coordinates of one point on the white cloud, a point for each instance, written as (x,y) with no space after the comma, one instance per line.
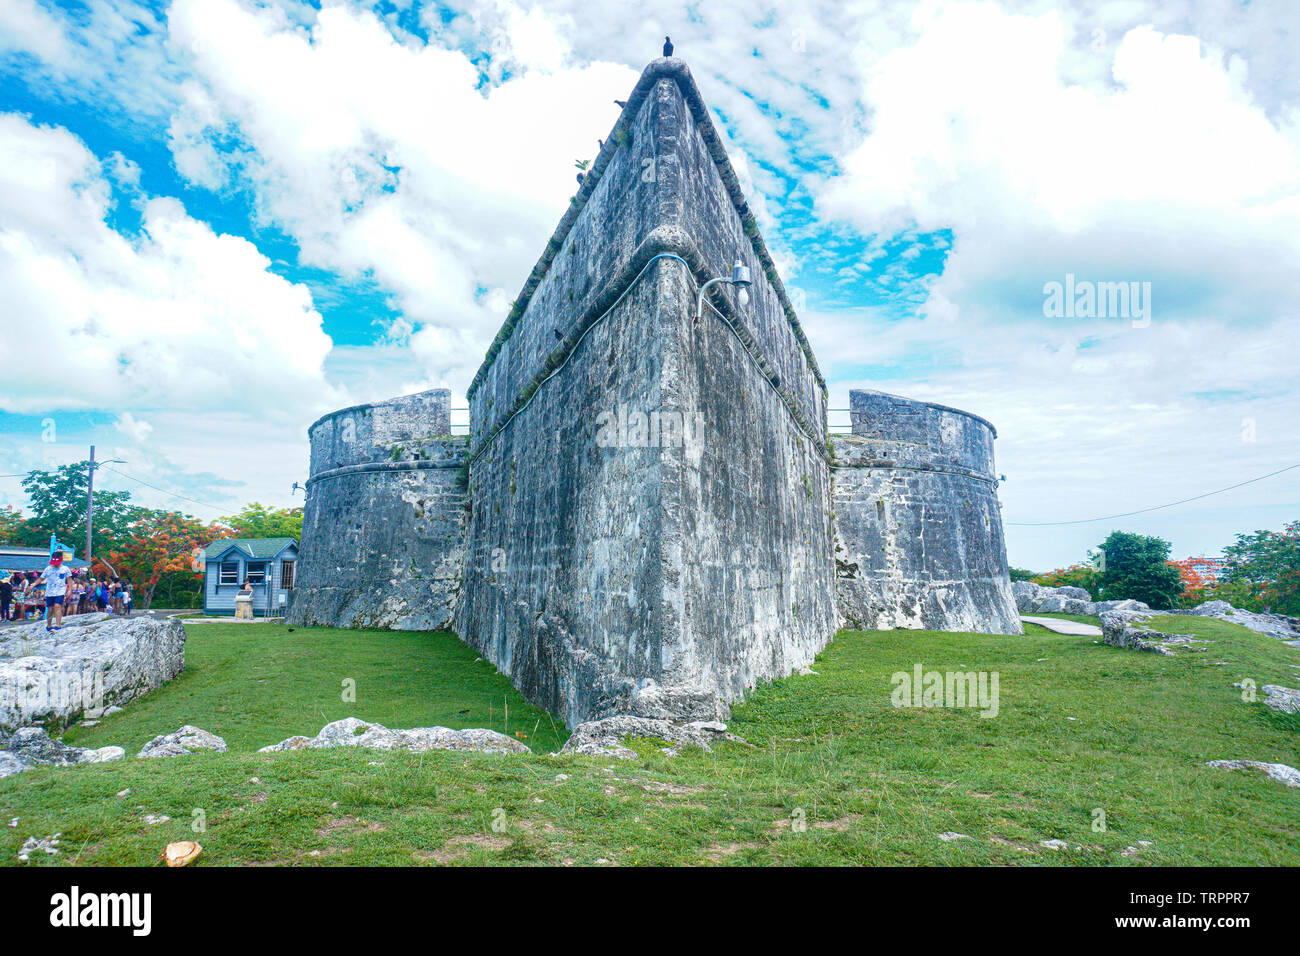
(385,158)
(135,429)
(179,317)
(1166,170)
(26,26)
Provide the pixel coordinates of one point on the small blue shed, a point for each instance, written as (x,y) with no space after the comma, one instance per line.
(270,565)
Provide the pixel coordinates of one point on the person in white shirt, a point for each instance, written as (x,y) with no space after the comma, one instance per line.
(55,576)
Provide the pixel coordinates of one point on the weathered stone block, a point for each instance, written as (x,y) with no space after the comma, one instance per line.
(93,662)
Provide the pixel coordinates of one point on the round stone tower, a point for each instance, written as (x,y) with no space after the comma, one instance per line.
(919,539)
(383,527)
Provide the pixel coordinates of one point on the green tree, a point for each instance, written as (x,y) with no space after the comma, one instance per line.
(160,543)
(11,524)
(1136,567)
(1262,571)
(259,521)
(1020,574)
(57,500)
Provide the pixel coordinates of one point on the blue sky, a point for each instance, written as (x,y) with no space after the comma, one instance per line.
(228,217)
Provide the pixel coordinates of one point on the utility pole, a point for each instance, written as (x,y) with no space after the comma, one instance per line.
(90,503)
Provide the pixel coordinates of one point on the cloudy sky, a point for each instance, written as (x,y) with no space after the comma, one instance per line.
(221,218)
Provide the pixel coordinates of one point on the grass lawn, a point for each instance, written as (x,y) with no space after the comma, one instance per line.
(835,775)
(256,684)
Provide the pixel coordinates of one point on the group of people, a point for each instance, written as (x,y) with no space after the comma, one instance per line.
(58,591)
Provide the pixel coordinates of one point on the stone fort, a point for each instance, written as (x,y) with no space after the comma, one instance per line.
(648,516)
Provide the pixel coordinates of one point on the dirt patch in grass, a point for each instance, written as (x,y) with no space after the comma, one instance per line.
(1013,844)
(349,824)
(544,826)
(671,789)
(839,825)
(458,847)
(720,852)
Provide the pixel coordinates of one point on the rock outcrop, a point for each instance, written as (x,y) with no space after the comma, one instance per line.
(1036,599)
(93,662)
(1275,625)
(1284,699)
(1275,771)
(187,740)
(29,746)
(605,737)
(1128,629)
(351,732)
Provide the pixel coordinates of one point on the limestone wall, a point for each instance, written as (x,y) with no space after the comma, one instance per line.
(606,570)
(919,539)
(383,527)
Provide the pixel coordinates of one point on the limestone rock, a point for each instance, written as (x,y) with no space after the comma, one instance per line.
(351,732)
(106,754)
(1034,598)
(29,746)
(1127,629)
(1275,625)
(604,738)
(1275,771)
(678,703)
(10,764)
(187,740)
(48,845)
(1100,607)
(1285,699)
(93,662)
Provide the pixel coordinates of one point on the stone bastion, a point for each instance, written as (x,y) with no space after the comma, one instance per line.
(918,526)
(641,520)
(383,528)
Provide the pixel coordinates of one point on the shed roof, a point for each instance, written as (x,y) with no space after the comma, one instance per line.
(259,549)
(10,561)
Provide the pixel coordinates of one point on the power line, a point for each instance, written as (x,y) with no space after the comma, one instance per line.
(1129,514)
(164,490)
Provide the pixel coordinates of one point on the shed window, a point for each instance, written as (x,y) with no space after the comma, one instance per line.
(255,572)
(229,573)
(286,574)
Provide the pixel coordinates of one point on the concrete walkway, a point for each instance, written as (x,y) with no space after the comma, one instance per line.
(1060,626)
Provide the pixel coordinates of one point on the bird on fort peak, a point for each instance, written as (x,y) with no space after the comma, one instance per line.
(668,46)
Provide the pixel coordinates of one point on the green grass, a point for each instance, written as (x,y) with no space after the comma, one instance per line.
(256,684)
(1082,726)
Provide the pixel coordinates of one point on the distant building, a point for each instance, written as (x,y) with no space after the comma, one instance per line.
(269,564)
(14,558)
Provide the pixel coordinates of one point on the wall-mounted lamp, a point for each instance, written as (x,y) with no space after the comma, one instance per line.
(739,278)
